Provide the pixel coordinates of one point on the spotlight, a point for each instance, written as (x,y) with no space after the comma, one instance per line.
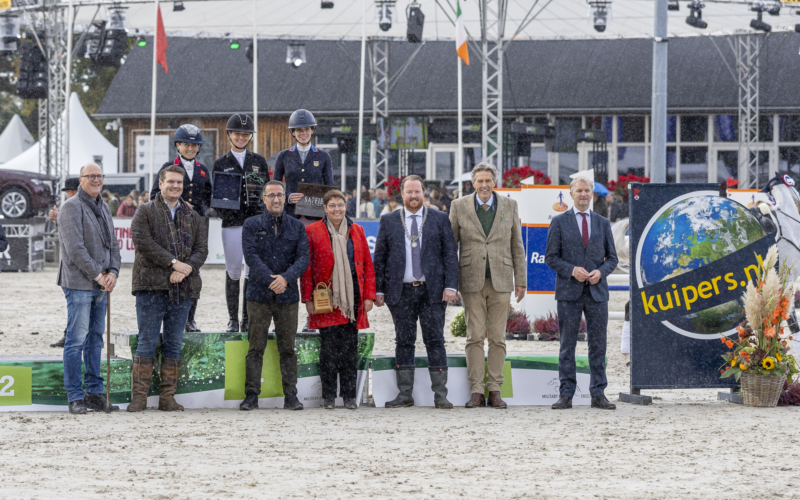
(234,45)
(416,20)
(797,28)
(758,24)
(178,7)
(248,52)
(9,34)
(774,9)
(695,17)
(326,5)
(673,5)
(599,14)
(141,42)
(296,54)
(385,14)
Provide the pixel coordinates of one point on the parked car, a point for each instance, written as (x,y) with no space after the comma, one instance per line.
(26,194)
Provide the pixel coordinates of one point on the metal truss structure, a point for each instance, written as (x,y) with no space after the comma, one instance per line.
(746,49)
(493,21)
(379,52)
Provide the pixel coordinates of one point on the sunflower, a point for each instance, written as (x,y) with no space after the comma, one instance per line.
(778,357)
(768,363)
(743,366)
(733,362)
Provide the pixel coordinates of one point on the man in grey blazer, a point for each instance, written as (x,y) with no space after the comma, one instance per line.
(87,272)
(580,249)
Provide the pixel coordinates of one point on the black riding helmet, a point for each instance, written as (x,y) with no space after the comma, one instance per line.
(302,118)
(240,123)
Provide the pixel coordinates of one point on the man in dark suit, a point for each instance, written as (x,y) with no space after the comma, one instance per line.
(580,249)
(416,274)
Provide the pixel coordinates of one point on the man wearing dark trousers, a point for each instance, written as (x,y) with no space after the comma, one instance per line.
(416,274)
(275,247)
(580,249)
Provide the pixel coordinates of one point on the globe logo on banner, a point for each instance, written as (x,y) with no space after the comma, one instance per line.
(688,233)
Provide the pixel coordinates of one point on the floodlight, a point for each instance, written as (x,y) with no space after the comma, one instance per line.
(599,14)
(234,45)
(797,28)
(695,17)
(673,5)
(384,14)
(296,54)
(759,25)
(326,5)
(774,9)
(416,21)
(178,7)
(141,42)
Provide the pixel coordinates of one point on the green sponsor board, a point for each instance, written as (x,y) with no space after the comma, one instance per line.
(15,385)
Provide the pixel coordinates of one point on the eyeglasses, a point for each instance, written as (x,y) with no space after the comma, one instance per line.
(340,206)
(273,196)
(94,177)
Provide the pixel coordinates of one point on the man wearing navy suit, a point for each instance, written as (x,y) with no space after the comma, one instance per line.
(580,249)
(416,274)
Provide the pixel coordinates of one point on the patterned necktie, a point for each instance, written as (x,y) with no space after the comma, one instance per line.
(485,206)
(416,255)
(585,231)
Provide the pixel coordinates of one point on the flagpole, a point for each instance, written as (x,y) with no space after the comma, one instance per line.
(255,80)
(65,164)
(153,96)
(460,151)
(361,107)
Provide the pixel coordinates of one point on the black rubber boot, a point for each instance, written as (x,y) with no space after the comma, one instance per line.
(97,402)
(439,386)
(250,402)
(232,298)
(245,323)
(290,402)
(191,326)
(405,383)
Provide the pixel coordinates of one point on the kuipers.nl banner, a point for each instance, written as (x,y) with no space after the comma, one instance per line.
(692,254)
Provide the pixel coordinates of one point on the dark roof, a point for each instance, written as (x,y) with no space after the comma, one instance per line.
(206,77)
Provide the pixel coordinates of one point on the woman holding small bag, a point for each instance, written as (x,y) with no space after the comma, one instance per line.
(341,271)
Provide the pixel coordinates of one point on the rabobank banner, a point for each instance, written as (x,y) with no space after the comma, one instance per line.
(692,254)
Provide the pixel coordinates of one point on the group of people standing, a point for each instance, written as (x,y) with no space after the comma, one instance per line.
(422,259)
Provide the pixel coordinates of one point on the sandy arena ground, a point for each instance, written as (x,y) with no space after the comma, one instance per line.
(686,445)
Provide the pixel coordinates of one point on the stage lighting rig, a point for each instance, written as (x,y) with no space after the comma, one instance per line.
(248,52)
(673,5)
(384,9)
(9,34)
(416,21)
(599,14)
(178,7)
(326,5)
(296,54)
(797,28)
(758,23)
(695,17)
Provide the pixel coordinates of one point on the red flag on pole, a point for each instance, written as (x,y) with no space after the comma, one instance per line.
(161,45)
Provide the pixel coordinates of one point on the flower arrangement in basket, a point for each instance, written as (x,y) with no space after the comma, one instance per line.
(547,326)
(517,322)
(759,357)
(620,186)
(392,185)
(513,177)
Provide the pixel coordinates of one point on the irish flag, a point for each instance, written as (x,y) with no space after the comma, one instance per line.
(461,35)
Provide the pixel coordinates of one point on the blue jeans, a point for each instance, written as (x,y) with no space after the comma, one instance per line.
(153,309)
(86,313)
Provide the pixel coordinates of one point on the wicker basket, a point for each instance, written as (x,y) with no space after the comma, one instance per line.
(761,390)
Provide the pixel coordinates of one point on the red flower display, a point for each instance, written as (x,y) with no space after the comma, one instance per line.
(513,178)
(620,186)
(392,185)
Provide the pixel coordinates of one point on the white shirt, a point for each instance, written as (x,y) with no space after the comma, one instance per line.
(173,209)
(409,274)
(579,218)
(239,157)
(188,165)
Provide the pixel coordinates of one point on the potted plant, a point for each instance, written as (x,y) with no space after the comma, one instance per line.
(759,358)
(517,325)
(547,327)
(458,327)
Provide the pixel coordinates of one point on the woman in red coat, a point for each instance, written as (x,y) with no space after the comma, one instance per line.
(340,259)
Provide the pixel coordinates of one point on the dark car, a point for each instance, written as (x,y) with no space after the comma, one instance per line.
(26,194)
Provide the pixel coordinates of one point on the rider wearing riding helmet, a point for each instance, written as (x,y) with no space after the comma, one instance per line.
(196,184)
(303,162)
(242,161)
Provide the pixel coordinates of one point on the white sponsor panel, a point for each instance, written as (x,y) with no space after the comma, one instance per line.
(122,227)
(749,197)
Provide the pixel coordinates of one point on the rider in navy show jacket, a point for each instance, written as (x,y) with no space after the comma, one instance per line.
(317,169)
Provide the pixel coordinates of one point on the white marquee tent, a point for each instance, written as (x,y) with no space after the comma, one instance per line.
(14,140)
(86,143)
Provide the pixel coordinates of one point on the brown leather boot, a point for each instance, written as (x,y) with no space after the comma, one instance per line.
(169,384)
(476,401)
(140,383)
(495,401)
